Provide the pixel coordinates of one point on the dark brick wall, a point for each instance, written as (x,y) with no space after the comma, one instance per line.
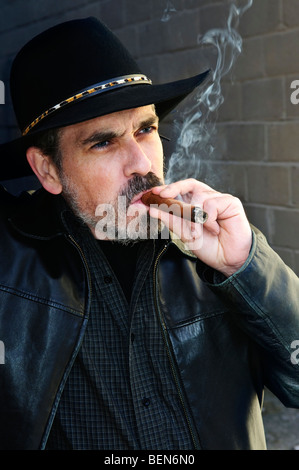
(254,146)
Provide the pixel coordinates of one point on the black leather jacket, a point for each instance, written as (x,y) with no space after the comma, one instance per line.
(225,339)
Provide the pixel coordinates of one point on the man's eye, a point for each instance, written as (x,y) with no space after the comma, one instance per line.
(147,130)
(101,145)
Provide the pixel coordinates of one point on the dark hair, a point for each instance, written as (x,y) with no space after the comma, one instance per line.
(48,142)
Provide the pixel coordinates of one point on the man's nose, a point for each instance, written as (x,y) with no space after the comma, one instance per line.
(137,161)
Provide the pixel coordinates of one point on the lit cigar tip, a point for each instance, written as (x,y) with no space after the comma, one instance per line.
(199,215)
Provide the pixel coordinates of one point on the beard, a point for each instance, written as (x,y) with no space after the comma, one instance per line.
(115,220)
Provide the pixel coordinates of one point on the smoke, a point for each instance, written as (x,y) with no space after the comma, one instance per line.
(197,127)
(168,12)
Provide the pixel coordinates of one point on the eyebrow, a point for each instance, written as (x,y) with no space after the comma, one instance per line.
(99,136)
(102,136)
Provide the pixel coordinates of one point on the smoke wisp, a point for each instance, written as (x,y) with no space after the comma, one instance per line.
(197,126)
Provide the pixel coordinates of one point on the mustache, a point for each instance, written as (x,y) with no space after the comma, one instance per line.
(137,184)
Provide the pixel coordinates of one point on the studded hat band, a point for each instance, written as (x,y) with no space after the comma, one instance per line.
(93,90)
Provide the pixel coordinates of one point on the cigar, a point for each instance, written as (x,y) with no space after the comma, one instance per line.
(178,208)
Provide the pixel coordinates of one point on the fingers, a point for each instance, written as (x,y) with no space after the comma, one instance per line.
(222,208)
(185,186)
(189,232)
(224,240)
(191,190)
(219,207)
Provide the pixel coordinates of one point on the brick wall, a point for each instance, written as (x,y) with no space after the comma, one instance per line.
(260,142)
(253,148)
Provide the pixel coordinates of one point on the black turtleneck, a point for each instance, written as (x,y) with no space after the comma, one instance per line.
(122,259)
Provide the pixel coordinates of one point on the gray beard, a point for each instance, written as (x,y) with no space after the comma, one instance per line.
(142,228)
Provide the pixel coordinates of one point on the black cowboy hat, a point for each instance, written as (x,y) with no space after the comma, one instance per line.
(72,72)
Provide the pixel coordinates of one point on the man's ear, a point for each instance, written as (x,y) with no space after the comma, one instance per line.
(44,169)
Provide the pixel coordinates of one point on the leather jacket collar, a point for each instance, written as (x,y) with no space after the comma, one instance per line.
(38,215)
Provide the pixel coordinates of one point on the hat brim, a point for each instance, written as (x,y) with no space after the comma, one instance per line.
(165,97)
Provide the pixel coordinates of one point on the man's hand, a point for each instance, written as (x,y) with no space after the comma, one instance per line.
(224,241)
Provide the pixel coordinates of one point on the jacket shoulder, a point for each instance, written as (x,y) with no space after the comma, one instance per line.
(34,213)
(10,203)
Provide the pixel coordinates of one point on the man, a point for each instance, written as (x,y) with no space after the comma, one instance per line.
(132,340)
